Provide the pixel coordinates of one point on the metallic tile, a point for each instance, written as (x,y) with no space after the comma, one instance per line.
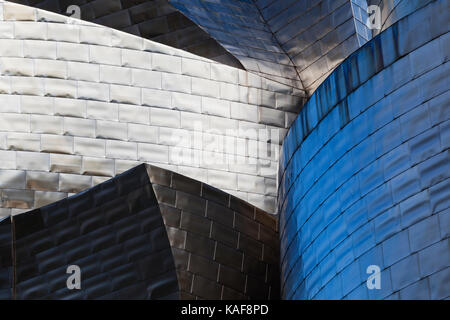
(120,242)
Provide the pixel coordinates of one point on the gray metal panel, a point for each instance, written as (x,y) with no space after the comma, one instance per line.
(156,20)
(102,101)
(242,30)
(217,240)
(115,234)
(364,175)
(6,267)
(392,11)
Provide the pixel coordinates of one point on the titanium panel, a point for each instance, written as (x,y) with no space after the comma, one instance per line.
(392,11)
(354,191)
(6,266)
(217,240)
(113,232)
(156,20)
(145,234)
(242,30)
(130,100)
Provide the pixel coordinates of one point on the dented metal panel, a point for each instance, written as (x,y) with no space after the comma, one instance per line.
(113,232)
(211,233)
(351,194)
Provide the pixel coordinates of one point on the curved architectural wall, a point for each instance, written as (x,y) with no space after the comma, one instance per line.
(241,29)
(148,233)
(223,247)
(113,233)
(296,42)
(392,10)
(156,20)
(317,35)
(80,103)
(364,174)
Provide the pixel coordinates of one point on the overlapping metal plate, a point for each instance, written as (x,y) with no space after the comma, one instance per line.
(156,20)
(138,238)
(223,247)
(113,233)
(365,175)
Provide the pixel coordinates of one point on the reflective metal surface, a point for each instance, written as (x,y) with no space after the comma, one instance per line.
(298,43)
(148,233)
(242,30)
(392,11)
(364,173)
(92,101)
(294,42)
(156,20)
(223,247)
(113,233)
(6,269)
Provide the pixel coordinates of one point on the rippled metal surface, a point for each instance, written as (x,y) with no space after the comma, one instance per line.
(156,20)
(295,42)
(241,29)
(6,269)
(392,11)
(223,247)
(298,43)
(364,175)
(145,234)
(80,103)
(113,233)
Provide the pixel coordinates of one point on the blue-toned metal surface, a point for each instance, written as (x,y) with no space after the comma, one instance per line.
(295,42)
(241,29)
(156,20)
(364,172)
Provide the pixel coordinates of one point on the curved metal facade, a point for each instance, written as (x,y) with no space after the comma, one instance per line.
(392,10)
(364,175)
(156,20)
(6,270)
(223,247)
(148,233)
(80,103)
(113,233)
(294,42)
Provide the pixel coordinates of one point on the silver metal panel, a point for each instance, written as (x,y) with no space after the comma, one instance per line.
(74,183)
(98,167)
(352,187)
(44,181)
(157,90)
(14,179)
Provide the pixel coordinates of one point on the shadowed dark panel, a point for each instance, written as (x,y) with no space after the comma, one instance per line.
(148,233)
(224,248)
(113,232)
(6,273)
(241,29)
